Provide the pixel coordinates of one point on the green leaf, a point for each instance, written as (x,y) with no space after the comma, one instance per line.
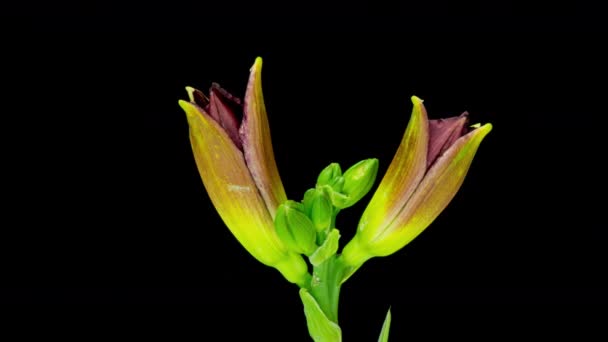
(329,248)
(320,328)
(385,327)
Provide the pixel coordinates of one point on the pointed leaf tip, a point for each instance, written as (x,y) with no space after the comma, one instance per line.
(416,100)
(385,327)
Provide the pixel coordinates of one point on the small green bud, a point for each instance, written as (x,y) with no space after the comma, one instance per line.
(294,228)
(309,195)
(328,174)
(327,249)
(318,207)
(321,211)
(358,180)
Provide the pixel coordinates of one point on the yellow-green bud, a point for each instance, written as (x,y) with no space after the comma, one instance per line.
(318,207)
(327,176)
(294,228)
(358,180)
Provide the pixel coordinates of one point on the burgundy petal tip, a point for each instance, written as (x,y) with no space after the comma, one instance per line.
(197,97)
(224,94)
(443,134)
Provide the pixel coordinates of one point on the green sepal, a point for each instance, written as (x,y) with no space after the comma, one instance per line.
(337,199)
(327,249)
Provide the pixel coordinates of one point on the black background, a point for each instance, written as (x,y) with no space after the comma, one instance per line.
(103,203)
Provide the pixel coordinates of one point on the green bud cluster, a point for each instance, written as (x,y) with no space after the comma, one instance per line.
(307,227)
(346,189)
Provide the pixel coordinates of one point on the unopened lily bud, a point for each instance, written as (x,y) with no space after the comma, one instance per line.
(358,180)
(320,210)
(329,174)
(295,229)
(232,149)
(428,169)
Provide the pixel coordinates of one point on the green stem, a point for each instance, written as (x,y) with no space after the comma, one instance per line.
(326,280)
(335,213)
(325,286)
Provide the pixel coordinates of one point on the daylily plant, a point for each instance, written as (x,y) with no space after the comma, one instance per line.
(232,148)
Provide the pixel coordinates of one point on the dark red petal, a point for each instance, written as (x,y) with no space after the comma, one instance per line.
(442,134)
(233,100)
(198,98)
(224,108)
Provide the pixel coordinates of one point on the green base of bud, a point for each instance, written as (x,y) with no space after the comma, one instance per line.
(294,269)
(353,256)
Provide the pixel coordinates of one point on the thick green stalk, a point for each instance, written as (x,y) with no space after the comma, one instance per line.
(326,281)
(324,289)
(325,286)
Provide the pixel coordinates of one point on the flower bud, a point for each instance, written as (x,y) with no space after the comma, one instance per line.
(358,180)
(318,207)
(295,229)
(428,169)
(329,174)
